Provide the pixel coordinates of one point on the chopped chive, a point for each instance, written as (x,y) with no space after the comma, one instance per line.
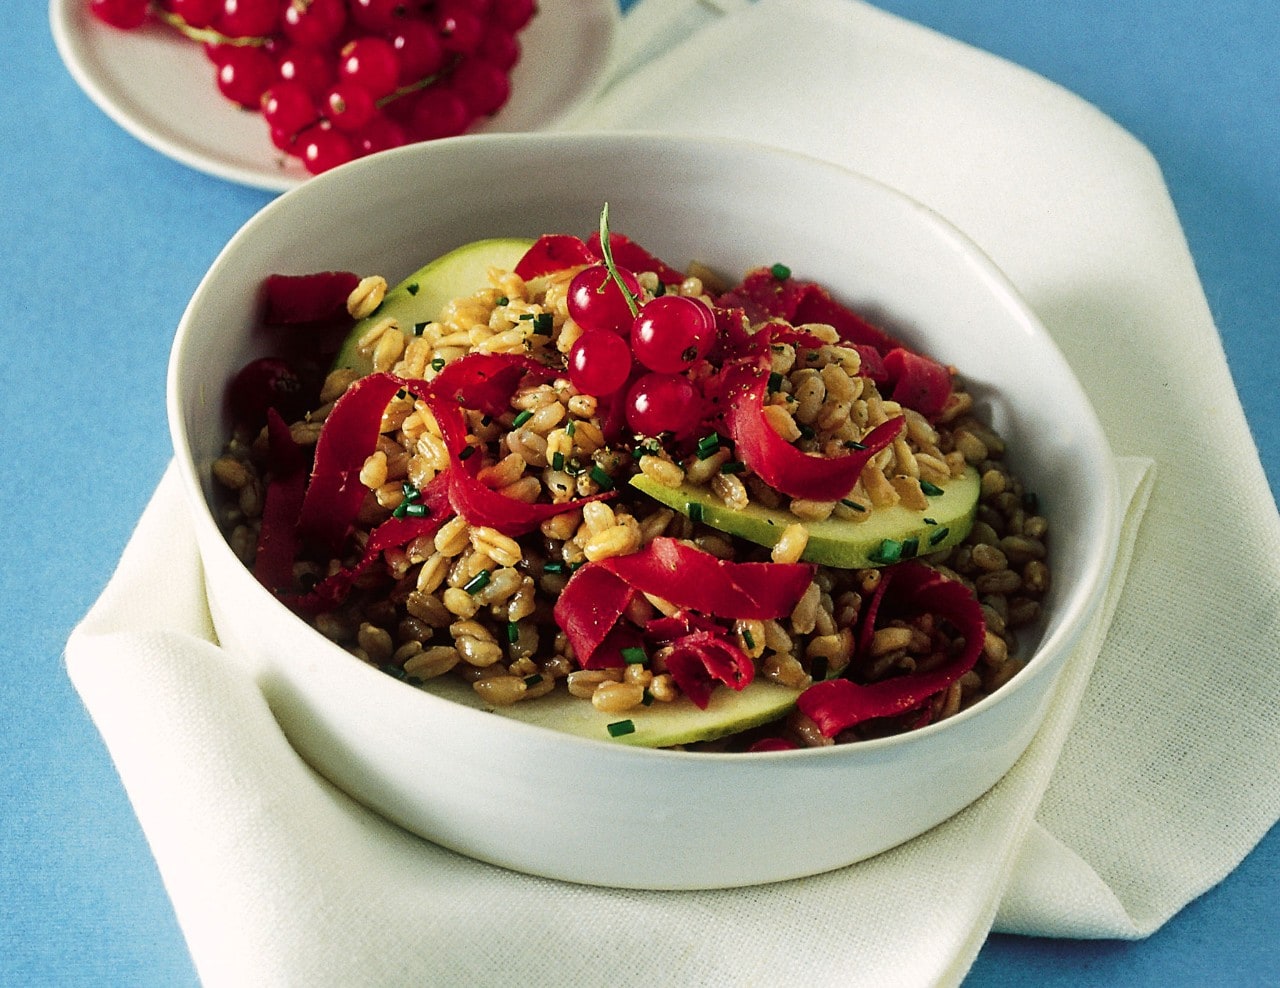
(568,429)
(620,727)
(502,300)
(477,582)
(573,468)
(543,323)
(852,504)
(910,547)
(437,364)
(931,490)
(732,466)
(775,381)
(553,567)
(513,632)
(853,444)
(710,441)
(401,509)
(521,419)
(526,315)
(749,640)
(938,536)
(646,698)
(412,288)
(402,393)
(601,478)
(806,432)
(557,461)
(466,452)
(929,521)
(695,511)
(780,271)
(415,509)
(533,680)
(634,655)
(888,551)
(418,327)
(410,492)
(660,290)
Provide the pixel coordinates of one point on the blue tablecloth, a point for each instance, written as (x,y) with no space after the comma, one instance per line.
(114,237)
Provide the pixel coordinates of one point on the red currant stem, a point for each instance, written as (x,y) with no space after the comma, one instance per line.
(205,35)
(606,249)
(413,87)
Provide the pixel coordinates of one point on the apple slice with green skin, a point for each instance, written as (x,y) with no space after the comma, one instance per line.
(422,296)
(886,535)
(659,725)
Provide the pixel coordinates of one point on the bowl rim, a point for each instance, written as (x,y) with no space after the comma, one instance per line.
(1078,608)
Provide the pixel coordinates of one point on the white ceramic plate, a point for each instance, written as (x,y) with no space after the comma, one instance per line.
(160,88)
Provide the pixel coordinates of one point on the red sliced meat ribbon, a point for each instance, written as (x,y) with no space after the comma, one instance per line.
(781,465)
(701,659)
(350,434)
(307,298)
(554,252)
(557,251)
(278,537)
(838,704)
(599,593)
(391,534)
(334,496)
(628,254)
(915,380)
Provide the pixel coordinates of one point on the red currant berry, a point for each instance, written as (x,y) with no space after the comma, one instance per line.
(460,29)
(483,86)
(287,106)
(418,48)
(371,63)
(672,332)
(380,134)
(659,403)
(500,48)
(248,18)
(348,106)
(596,302)
(314,23)
(124,14)
(438,112)
(378,15)
(322,148)
(195,13)
(244,73)
(599,363)
(513,14)
(308,67)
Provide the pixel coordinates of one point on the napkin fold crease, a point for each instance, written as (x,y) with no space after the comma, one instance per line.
(1154,773)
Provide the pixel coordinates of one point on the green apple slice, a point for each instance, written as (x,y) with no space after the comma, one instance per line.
(660,725)
(885,535)
(422,296)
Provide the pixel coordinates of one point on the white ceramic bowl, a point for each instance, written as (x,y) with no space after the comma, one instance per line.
(590,811)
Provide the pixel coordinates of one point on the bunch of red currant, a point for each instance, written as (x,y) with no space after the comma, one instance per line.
(651,347)
(340,79)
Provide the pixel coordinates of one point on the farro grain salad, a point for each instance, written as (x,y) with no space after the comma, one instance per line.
(567,482)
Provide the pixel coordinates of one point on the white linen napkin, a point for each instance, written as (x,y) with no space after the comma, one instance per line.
(278,878)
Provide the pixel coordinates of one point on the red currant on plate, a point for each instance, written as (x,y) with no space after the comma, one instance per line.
(596,301)
(124,14)
(672,332)
(660,403)
(599,362)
